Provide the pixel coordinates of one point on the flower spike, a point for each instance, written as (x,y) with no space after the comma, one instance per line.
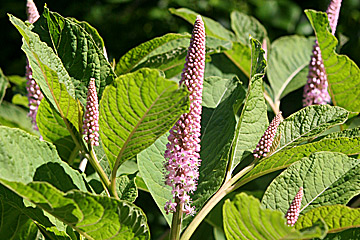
(91,121)
(316,88)
(182,152)
(264,145)
(294,210)
(34,94)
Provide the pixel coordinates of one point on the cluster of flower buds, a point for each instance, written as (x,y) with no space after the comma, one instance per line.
(294,210)
(182,152)
(316,88)
(33,91)
(91,121)
(264,145)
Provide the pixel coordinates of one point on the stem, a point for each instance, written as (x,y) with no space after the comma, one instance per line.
(225,189)
(104,179)
(275,106)
(112,186)
(176,221)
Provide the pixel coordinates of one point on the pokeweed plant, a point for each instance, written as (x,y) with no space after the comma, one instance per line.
(112,115)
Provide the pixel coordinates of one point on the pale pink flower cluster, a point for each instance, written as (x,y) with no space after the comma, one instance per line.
(264,145)
(34,94)
(91,121)
(182,154)
(294,210)
(316,88)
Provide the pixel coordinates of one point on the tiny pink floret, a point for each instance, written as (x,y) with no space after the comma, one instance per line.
(182,152)
(264,145)
(91,121)
(294,209)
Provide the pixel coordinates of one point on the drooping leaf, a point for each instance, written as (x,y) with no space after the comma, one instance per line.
(308,123)
(3,85)
(49,73)
(151,167)
(94,217)
(245,26)
(343,74)
(53,129)
(136,109)
(253,119)
(15,117)
(24,158)
(244,218)
(327,178)
(83,59)
(285,158)
(289,59)
(212,28)
(336,217)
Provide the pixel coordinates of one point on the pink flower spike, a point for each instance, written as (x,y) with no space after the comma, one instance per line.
(333,11)
(182,154)
(32,11)
(91,121)
(264,145)
(294,209)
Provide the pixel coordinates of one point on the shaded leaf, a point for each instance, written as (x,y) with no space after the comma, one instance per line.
(240,55)
(327,178)
(3,85)
(244,218)
(135,110)
(126,187)
(343,74)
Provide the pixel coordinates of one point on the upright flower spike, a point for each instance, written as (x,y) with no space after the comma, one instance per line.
(182,152)
(91,121)
(264,145)
(294,210)
(315,90)
(34,94)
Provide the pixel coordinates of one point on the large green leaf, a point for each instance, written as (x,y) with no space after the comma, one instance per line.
(308,123)
(82,58)
(50,74)
(349,234)
(240,55)
(151,166)
(135,110)
(24,158)
(288,64)
(253,119)
(3,85)
(336,217)
(285,158)
(94,217)
(245,26)
(212,28)
(244,218)
(53,129)
(327,178)
(343,74)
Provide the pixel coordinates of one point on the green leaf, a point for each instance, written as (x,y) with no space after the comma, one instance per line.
(50,74)
(151,167)
(135,110)
(94,217)
(336,217)
(285,158)
(355,132)
(245,26)
(349,234)
(165,49)
(253,119)
(3,85)
(24,158)
(240,55)
(343,74)
(327,178)
(244,218)
(83,58)
(91,31)
(21,100)
(288,64)
(126,187)
(15,117)
(212,28)
(53,129)
(308,123)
